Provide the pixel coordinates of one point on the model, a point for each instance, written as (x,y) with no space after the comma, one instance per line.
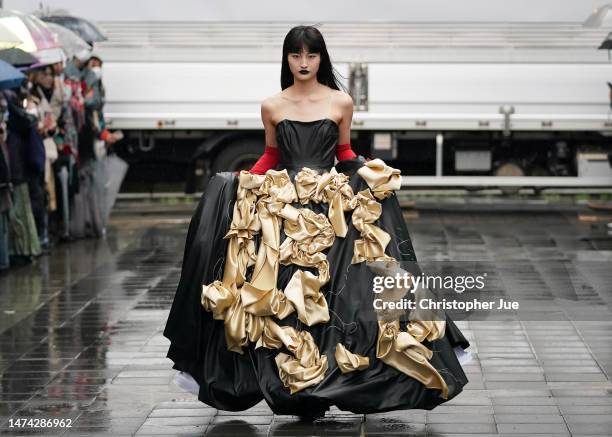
(275,297)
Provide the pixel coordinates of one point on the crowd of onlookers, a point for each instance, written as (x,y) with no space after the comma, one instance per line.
(53,143)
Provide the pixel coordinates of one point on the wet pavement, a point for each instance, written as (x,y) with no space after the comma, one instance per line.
(81,337)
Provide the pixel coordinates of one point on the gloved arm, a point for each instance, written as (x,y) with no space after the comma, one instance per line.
(268,160)
(344,152)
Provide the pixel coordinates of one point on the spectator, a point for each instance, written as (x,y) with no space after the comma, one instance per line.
(26,160)
(53,147)
(5,188)
(49,99)
(88,207)
(65,167)
(75,66)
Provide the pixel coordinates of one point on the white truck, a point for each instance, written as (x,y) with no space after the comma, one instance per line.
(476,104)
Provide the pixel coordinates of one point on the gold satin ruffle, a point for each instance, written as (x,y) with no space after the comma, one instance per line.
(307,235)
(331,188)
(248,306)
(382,179)
(306,367)
(374,240)
(348,361)
(400,349)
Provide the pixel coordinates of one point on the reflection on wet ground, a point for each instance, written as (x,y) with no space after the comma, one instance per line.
(81,338)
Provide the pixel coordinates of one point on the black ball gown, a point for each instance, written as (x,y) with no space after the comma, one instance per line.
(275,296)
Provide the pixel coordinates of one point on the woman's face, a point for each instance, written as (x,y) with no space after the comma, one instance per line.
(94,62)
(45,78)
(304,65)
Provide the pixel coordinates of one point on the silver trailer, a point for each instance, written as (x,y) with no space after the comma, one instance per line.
(498,105)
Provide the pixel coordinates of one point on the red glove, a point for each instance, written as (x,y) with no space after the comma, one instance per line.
(268,160)
(344,152)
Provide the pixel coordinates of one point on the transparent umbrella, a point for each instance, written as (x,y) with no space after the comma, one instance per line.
(37,39)
(8,39)
(85,29)
(71,42)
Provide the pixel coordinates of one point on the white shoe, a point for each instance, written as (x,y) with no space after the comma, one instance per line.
(186,382)
(463,356)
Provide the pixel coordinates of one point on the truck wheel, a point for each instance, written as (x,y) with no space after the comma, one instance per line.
(509,169)
(237,156)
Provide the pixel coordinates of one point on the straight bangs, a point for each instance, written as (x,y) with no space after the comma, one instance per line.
(304,40)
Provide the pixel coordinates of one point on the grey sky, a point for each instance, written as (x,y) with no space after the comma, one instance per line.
(308,11)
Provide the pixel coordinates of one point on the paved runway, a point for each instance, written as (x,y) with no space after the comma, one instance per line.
(80,336)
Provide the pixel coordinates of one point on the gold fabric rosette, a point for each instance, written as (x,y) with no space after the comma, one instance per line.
(401,350)
(331,188)
(348,361)
(382,179)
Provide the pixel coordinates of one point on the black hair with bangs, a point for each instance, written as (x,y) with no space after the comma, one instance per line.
(310,38)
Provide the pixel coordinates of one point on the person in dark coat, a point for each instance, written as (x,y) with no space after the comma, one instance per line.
(26,158)
(5,188)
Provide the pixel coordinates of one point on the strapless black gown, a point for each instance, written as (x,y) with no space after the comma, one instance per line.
(296,360)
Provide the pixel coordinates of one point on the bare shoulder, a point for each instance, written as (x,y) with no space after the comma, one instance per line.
(343,99)
(271,105)
(344,104)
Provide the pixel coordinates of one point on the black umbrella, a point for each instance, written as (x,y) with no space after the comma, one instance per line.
(606,45)
(17,57)
(85,29)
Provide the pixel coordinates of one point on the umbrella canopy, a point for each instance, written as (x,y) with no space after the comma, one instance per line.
(10,77)
(36,37)
(8,39)
(34,34)
(607,43)
(85,29)
(71,42)
(17,57)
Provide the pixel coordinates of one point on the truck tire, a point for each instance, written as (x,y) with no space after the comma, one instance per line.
(237,156)
(509,168)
